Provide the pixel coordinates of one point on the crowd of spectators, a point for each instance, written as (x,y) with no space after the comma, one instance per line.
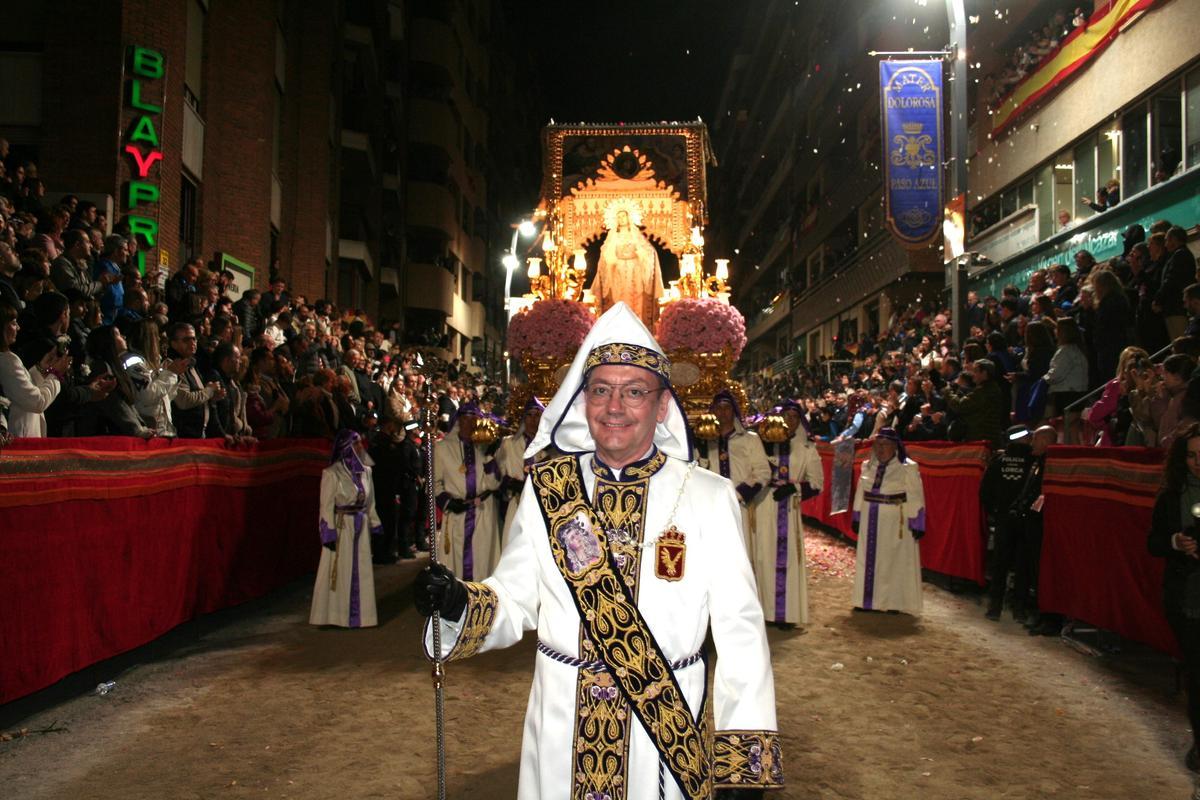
(1129,326)
(91,346)
(1040,40)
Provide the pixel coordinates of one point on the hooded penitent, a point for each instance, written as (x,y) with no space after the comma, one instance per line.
(617,338)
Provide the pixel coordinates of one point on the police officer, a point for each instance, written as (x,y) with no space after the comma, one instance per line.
(1003,482)
(1029,502)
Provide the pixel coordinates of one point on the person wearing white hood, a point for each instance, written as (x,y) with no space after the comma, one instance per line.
(624,556)
(466,478)
(514,465)
(779,559)
(736,454)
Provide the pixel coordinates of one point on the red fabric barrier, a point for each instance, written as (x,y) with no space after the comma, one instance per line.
(954,541)
(1095,566)
(109,543)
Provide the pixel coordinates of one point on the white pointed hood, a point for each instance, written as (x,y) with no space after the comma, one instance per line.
(564,423)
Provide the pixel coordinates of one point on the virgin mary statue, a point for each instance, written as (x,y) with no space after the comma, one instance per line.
(628,268)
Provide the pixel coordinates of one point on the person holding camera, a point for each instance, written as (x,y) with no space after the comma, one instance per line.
(1175,536)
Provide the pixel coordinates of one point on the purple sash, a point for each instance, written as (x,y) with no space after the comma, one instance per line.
(469,521)
(872,540)
(723,456)
(360,514)
(784,449)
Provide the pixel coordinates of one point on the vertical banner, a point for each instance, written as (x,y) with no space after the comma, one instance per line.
(910,95)
(841,476)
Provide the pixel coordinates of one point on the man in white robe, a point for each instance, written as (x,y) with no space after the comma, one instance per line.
(736,454)
(624,557)
(779,560)
(889,518)
(514,466)
(465,481)
(344,592)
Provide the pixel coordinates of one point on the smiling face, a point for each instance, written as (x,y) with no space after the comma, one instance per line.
(624,433)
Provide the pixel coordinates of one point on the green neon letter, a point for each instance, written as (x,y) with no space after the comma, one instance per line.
(135,99)
(145,228)
(147,63)
(144,132)
(141,192)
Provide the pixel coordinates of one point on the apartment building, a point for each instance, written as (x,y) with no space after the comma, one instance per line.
(264,136)
(1127,111)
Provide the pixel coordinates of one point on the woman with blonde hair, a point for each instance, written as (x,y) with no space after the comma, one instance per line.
(1107,421)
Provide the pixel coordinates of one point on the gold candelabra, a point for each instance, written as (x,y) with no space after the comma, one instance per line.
(557,274)
(693,283)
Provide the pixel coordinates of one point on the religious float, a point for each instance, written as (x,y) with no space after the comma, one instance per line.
(613,198)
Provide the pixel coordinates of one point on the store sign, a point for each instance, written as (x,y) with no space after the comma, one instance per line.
(142,145)
(910,95)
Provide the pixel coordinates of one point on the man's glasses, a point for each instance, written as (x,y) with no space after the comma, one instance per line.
(631,396)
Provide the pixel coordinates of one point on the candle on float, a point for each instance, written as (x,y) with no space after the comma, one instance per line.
(723,269)
(535,268)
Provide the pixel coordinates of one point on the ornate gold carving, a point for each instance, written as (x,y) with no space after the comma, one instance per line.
(667,218)
(712,370)
(747,758)
(477,620)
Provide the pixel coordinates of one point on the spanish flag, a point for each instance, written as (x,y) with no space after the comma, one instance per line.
(1080,47)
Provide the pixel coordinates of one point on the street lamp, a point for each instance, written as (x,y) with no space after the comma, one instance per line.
(527,229)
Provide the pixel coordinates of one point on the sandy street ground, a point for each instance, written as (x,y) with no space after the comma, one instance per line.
(951,706)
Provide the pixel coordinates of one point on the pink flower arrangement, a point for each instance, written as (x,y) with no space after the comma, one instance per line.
(550,329)
(702,326)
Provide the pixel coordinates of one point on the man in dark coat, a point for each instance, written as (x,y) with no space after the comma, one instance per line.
(1002,483)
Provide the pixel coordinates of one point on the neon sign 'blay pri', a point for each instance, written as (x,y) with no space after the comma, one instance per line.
(143,146)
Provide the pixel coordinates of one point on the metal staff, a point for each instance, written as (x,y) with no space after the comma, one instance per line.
(429,425)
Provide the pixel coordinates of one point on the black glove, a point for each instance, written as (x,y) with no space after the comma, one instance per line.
(916,534)
(783,492)
(747,492)
(740,793)
(491,449)
(436,588)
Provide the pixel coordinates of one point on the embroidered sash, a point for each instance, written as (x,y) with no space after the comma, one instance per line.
(611,621)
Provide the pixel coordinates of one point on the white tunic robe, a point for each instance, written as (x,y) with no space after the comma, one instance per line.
(740,458)
(470,540)
(889,504)
(511,459)
(344,592)
(716,590)
(778,554)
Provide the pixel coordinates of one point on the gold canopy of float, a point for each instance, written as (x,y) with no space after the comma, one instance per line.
(629,189)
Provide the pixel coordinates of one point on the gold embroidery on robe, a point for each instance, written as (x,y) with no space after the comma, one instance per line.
(477,620)
(612,625)
(747,758)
